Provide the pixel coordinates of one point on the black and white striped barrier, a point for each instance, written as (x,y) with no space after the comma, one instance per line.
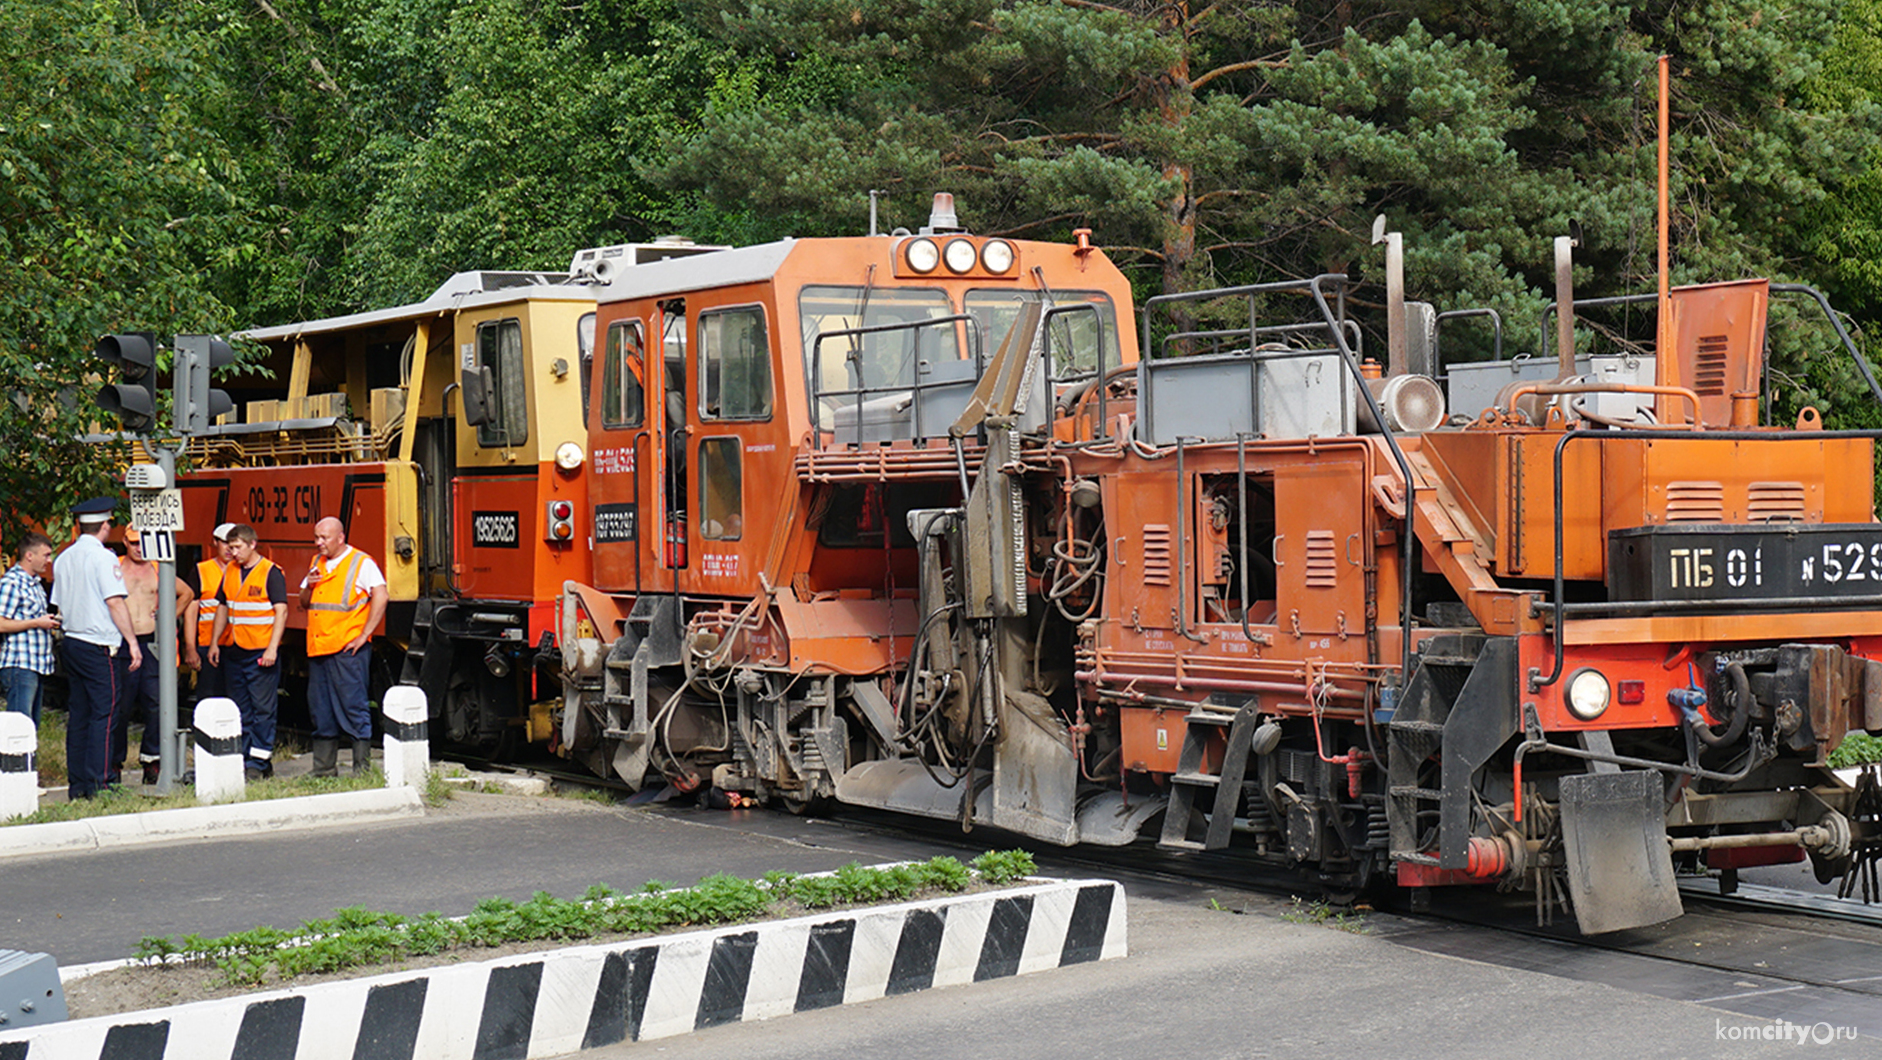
(560,1001)
(408,743)
(19,774)
(218,734)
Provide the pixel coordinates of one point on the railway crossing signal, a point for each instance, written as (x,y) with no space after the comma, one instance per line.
(197,404)
(133,398)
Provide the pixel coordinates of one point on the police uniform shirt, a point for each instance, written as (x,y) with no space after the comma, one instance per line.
(84,576)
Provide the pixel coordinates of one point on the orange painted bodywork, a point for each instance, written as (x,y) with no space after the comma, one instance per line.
(1330,621)
(1501,481)
(1153,740)
(283,508)
(841,609)
(529,568)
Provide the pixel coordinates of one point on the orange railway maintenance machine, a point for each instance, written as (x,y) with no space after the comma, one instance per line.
(905,522)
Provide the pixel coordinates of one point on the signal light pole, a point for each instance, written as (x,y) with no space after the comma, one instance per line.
(156,503)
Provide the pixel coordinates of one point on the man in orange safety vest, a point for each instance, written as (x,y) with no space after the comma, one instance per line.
(344,595)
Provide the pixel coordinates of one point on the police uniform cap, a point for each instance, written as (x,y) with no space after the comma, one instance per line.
(96,510)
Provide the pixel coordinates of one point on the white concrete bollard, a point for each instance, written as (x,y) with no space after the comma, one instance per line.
(408,744)
(219,751)
(19,770)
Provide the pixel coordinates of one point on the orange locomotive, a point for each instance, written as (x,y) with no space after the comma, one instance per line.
(905,522)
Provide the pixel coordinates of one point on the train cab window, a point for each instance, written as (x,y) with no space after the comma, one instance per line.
(585,347)
(623,366)
(500,348)
(837,367)
(1072,339)
(734,365)
(721,504)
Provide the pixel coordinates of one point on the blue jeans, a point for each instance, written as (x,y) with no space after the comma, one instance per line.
(21,686)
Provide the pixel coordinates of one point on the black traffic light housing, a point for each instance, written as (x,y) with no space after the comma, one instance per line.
(197,404)
(133,398)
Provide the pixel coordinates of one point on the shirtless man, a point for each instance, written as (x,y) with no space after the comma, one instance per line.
(139,695)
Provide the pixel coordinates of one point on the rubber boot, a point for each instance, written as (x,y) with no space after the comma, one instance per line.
(326,758)
(362,755)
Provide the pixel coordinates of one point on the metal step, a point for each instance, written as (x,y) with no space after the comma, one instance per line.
(1200,780)
(1416,793)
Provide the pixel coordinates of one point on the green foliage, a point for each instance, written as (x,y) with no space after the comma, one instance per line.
(1004,866)
(1325,915)
(355,937)
(1856,749)
(223,164)
(109,185)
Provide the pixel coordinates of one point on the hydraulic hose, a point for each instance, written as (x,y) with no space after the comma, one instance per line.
(1741,712)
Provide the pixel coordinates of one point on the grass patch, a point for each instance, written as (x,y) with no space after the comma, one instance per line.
(1305,912)
(358,937)
(438,791)
(128,800)
(51,753)
(583,792)
(1856,749)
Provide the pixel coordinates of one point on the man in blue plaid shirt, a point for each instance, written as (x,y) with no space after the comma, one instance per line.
(25,627)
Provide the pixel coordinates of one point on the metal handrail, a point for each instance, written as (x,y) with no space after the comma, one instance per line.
(818,393)
(1557,602)
(1496,325)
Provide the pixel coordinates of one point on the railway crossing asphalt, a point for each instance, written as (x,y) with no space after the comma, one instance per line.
(1212,971)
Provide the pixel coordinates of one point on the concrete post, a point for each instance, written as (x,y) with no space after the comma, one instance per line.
(219,751)
(19,772)
(408,744)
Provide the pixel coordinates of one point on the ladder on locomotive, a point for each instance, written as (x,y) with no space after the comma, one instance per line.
(1192,779)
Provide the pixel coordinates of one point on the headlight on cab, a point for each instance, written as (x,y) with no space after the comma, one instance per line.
(959,255)
(922,255)
(1587,694)
(569,456)
(997,256)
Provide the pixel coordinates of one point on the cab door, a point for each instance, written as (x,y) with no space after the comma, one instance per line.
(623,443)
(676,428)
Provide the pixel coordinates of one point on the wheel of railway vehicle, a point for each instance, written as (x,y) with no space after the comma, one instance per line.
(805,806)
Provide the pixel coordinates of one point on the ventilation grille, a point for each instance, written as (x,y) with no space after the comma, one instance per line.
(1323,560)
(1695,502)
(1775,502)
(1709,367)
(1157,554)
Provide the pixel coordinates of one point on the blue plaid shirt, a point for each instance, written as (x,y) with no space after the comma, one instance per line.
(23,596)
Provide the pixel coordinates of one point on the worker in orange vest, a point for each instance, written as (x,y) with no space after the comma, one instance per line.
(344,594)
(254,607)
(199,620)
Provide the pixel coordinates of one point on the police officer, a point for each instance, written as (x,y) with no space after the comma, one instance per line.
(254,605)
(344,595)
(100,649)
